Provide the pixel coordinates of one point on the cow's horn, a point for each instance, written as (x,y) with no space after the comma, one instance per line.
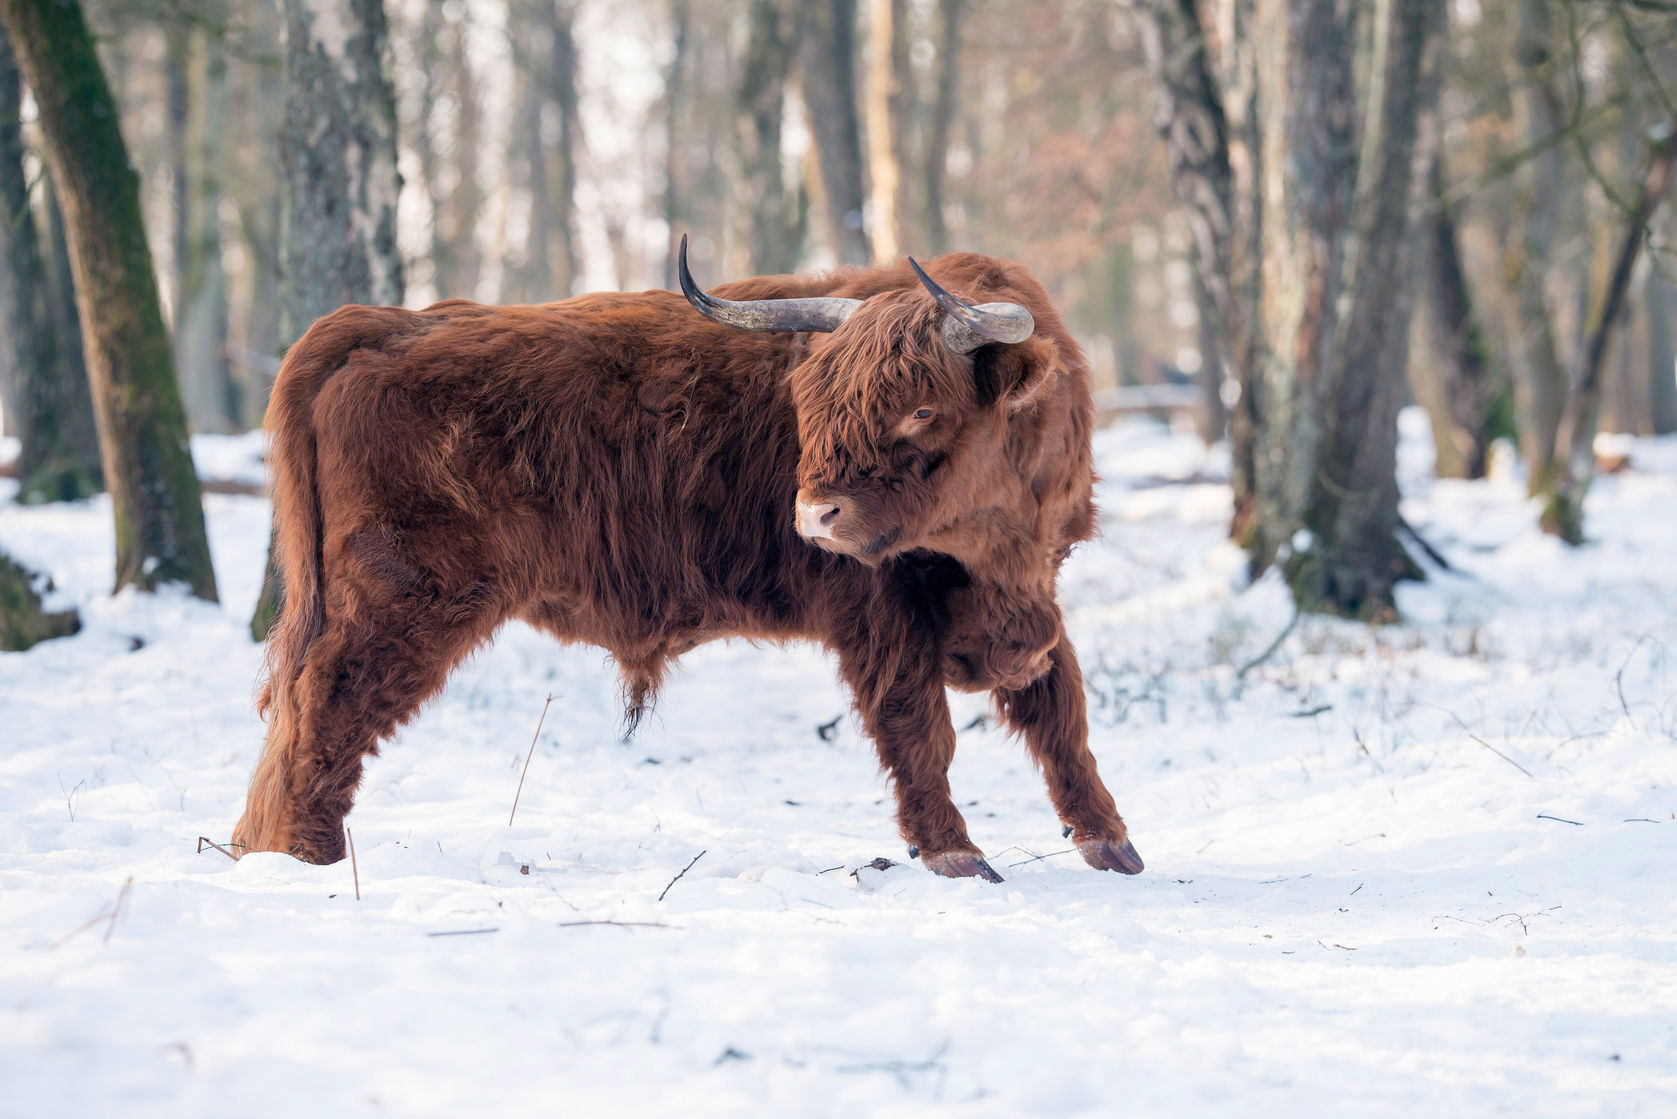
(819,315)
(967,327)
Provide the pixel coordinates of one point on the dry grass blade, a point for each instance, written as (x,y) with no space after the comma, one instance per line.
(112,915)
(527,756)
(353,868)
(205,841)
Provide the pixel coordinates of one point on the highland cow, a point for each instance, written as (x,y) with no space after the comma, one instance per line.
(889,465)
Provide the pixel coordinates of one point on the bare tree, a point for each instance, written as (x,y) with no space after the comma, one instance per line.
(941,124)
(148,468)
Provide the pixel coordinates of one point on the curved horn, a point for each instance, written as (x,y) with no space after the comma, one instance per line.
(819,315)
(967,327)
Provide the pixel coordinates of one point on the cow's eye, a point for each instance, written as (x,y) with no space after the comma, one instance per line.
(923,414)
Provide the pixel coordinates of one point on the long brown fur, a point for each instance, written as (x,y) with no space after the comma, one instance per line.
(617,470)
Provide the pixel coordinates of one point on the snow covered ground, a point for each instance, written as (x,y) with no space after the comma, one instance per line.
(1429,869)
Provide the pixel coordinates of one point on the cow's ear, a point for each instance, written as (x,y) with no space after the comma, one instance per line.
(1015,375)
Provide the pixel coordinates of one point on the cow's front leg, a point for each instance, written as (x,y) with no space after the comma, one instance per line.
(899,694)
(1050,713)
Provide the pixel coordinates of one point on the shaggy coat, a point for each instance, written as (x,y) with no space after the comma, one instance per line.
(617,470)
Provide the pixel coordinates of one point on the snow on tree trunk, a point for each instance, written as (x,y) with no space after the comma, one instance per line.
(23,621)
(142,428)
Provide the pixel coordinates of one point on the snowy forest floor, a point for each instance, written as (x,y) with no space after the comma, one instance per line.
(1424,869)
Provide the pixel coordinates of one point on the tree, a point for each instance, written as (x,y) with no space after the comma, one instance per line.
(148,468)
(338,146)
(773,215)
(23,621)
(949,13)
(1319,334)
(886,49)
(828,57)
(51,408)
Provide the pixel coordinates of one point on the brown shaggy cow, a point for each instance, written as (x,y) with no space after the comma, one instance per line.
(861,459)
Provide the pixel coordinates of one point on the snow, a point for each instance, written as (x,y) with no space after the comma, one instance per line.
(1425,869)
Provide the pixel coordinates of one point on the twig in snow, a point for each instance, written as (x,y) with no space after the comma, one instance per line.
(621,924)
(684,870)
(1468,731)
(205,841)
(464,932)
(1420,541)
(1240,675)
(1037,858)
(527,755)
(1558,820)
(353,868)
(118,907)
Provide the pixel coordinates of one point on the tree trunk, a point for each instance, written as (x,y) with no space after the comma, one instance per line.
(1539,381)
(885,127)
(1353,561)
(828,54)
(1211,135)
(770,211)
(52,463)
(1660,312)
(562,88)
(67,328)
(142,428)
(22,620)
(338,146)
(1452,376)
(949,14)
(675,169)
(1563,510)
(201,312)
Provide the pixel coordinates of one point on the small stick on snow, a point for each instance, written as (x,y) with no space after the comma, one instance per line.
(205,841)
(527,755)
(619,924)
(1240,676)
(684,870)
(353,869)
(1559,820)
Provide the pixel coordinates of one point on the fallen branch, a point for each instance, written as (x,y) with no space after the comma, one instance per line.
(684,870)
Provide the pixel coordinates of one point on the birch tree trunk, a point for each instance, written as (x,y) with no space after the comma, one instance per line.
(338,146)
(142,428)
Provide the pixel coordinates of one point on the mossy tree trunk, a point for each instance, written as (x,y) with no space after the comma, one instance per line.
(23,621)
(338,144)
(774,226)
(827,31)
(59,457)
(148,469)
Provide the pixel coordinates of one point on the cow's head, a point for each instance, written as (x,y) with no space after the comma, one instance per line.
(903,411)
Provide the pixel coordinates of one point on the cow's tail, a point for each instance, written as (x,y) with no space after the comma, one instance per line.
(297,542)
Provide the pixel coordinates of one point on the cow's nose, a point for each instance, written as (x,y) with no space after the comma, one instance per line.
(816,518)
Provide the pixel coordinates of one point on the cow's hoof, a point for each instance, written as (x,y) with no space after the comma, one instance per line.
(1105,855)
(960,864)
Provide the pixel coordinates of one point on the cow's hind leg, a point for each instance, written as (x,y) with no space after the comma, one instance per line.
(367,673)
(1050,713)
